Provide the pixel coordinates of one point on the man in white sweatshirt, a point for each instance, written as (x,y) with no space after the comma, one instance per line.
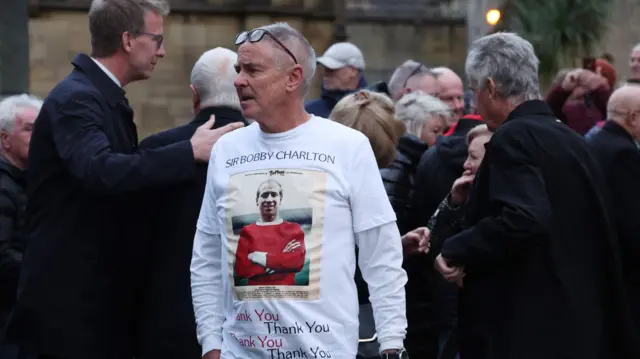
(334,194)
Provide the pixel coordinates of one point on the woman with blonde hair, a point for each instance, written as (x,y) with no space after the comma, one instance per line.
(373,114)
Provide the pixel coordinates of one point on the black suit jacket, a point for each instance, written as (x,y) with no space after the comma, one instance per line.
(166,326)
(81,265)
(540,253)
(619,157)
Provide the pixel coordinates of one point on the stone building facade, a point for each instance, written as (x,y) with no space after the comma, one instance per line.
(59,30)
(387,31)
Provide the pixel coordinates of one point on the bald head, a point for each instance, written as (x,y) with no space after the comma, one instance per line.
(624,108)
(412,76)
(212,79)
(451,90)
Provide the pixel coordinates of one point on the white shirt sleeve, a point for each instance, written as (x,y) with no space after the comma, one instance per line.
(379,247)
(206,272)
(380,260)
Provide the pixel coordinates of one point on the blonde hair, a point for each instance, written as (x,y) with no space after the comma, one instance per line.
(480,130)
(416,108)
(373,114)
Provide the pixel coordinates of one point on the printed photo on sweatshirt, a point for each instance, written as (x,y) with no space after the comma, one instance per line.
(274,233)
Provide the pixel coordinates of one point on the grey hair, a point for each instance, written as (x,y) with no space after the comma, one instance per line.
(636,48)
(213,76)
(11,106)
(109,19)
(401,75)
(416,108)
(509,61)
(478,131)
(299,46)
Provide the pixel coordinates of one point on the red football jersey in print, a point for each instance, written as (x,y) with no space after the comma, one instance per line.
(272,239)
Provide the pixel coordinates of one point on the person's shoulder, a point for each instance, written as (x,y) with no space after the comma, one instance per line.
(336,132)
(239,137)
(170,136)
(75,87)
(613,146)
(286,223)
(316,105)
(248,228)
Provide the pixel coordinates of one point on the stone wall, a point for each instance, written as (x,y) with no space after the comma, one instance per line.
(164,101)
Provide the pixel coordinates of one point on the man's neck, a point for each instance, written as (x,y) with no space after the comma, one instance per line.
(115,66)
(285,120)
(13,160)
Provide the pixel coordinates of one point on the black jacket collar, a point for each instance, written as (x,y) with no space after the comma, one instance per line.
(111,91)
(14,172)
(619,131)
(528,108)
(218,111)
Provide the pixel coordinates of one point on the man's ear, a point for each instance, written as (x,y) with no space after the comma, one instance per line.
(195,99)
(296,78)
(4,140)
(125,40)
(491,88)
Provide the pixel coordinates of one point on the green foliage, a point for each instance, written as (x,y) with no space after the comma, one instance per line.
(561,31)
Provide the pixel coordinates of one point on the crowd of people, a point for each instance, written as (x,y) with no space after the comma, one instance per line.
(408,218)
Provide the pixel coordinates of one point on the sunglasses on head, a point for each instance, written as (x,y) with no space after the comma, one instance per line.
(256,35)
(413,73)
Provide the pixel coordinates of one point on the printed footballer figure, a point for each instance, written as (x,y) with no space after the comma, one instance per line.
(270,251)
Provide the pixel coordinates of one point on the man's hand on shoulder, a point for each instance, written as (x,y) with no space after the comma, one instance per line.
(214,354)
(205,137)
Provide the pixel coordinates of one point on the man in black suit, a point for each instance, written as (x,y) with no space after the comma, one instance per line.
(166,324)
(616,148)
(537,258)
(83,259)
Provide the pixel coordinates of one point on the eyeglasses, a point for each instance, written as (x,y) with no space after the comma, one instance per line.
(257,35)
(413,73)
(159,39)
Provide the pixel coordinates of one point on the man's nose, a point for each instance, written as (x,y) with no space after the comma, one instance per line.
(161,52)
(240,81)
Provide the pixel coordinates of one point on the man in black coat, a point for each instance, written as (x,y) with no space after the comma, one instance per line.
(17,115)
(538,261)
(616,148)
(82,265)
(166,323)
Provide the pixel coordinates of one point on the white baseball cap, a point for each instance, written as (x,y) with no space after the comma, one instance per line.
(342,54)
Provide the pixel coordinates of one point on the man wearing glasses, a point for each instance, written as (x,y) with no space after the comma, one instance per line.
(275,68)
(83,263)
(412,76)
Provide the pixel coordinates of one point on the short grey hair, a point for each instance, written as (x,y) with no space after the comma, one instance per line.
(402,73)
(636,48)
(212,77)
(416,108)
(109,19)
(299,46)
(478,131)
(11,106)
(510,61)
